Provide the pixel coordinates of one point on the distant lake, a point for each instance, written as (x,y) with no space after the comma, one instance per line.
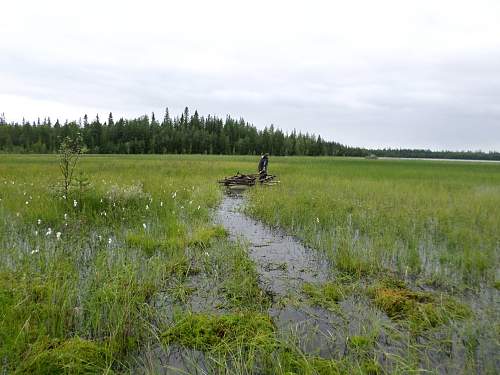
(433,159)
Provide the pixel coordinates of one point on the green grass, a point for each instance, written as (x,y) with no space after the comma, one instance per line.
(139,243)
(423,219)
(122,241)
(326,295)
(420,310)
(221,333)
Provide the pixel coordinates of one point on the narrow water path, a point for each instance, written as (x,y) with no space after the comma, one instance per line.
(283,263)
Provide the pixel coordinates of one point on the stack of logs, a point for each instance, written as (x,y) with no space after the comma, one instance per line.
(248,180)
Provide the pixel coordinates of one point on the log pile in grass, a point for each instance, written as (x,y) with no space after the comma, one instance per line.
(243,180)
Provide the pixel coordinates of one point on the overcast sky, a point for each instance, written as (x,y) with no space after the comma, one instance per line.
(382,73)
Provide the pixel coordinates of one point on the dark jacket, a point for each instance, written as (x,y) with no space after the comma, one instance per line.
(263,164)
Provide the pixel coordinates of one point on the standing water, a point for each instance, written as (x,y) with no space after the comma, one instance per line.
(283,263)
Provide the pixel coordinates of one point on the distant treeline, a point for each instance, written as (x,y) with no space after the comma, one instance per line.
(189,134)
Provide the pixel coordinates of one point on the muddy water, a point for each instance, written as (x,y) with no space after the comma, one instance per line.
(283,263)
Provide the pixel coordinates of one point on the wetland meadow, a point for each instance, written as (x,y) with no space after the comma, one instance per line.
(347,266)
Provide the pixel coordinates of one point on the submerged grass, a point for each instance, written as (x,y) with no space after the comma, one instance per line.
(79,274)
(326,295)
(83,278)
(72,356)
(221,333)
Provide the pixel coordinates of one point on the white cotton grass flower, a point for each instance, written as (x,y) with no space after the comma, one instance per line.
(27,202)
(174,194)
(58,235)
(110,240)
(35,251)
(49,232)
(36,233)
(317,220)
(144,226)
(161,204)
(198,208)
(99,237)
(147,207)
(65,216)
(39,221)
(75,203)
(207,254)
(64,197)
(101,200)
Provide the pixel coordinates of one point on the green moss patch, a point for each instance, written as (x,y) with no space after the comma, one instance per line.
(422,310)
(209,332)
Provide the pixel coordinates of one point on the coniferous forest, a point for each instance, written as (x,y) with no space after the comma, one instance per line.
(189,134)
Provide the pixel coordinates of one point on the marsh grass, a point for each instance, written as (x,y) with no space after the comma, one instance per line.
(79,274)
(73,356)
(326,295)
(419,218)
(221,333)
(421,310)
(139,245)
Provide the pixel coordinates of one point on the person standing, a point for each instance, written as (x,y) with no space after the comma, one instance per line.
(262,168)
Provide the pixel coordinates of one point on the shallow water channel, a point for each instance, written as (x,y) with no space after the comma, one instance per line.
(282,262)
(284,265)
